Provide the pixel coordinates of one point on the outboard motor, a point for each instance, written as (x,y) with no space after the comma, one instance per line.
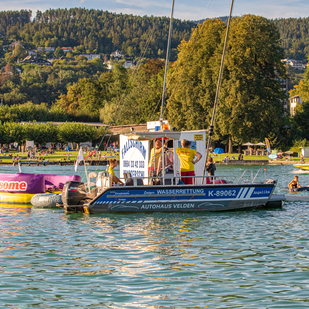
(74,193)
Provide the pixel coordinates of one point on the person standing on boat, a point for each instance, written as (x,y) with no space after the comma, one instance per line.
(294,184)
(210,167)
(112,164)
(187,161)
(155,155)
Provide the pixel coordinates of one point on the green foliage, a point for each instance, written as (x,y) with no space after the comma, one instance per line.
(107,113)
(299,122)
(12,132)
(300,129)
(76,132)
(250,101)
(192,81)
(19,51)
(294,76)
(93,31)
(58,52)
(294,37)
(302,89)
(84,97)
(42,133)
(299,143)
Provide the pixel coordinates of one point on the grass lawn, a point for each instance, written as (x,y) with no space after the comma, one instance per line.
(72,155)
(220,157)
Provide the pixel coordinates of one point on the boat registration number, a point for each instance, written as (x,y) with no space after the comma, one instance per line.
(221,193)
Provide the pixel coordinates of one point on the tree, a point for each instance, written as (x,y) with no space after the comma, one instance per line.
(41,133)
(76,132)
(58,52)
(82,97)
(12,132)
(192,78)
(302,89)
(251,101)
(19,51)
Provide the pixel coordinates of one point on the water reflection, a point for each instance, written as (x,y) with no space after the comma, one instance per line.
(245,259)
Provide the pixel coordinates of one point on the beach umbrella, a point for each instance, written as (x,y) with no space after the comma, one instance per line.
(289,153)
(219,150)
(248,144)
(260,144)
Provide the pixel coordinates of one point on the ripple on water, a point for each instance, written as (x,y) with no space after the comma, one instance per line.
(249,259)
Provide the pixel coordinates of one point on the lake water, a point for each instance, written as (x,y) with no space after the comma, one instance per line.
(243,259)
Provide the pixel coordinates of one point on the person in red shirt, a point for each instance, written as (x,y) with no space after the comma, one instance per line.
(187,161)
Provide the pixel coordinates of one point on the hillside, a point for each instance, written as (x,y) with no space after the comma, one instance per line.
(97,31)
(93,31)
(294,36)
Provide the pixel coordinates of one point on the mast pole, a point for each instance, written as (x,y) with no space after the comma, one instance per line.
(166,62)
(211,127)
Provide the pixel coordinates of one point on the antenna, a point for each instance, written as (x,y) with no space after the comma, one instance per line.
(166,63)
(210,133)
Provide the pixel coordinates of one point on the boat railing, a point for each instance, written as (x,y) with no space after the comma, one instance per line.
(247,177)
(253,178)
(177,180)
(244,176)
(257,174)
(103,181)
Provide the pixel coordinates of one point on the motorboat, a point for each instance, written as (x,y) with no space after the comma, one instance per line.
(302,166)
(164,191)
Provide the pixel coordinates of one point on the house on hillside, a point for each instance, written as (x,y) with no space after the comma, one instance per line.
(14,44)
(67,58)
(294,102)
(46,49)
(117,55)
(67,49)
(296,64)
(32,53)
(126,64)
(91,56)
(35,60)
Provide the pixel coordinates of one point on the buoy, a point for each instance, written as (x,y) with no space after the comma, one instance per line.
(46,200)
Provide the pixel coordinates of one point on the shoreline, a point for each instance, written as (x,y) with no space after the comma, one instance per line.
(105,162)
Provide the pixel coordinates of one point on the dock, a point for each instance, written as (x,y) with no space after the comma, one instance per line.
(296,198)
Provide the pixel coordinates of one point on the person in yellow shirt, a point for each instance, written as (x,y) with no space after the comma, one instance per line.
(112,164)
(187,160)
(155,155)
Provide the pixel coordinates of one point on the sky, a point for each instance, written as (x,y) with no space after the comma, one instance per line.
(184,9)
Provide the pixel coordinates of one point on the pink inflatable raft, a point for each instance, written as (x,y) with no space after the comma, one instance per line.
(19,188)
